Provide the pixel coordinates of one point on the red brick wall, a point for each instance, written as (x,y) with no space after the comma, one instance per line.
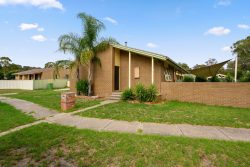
(224,94)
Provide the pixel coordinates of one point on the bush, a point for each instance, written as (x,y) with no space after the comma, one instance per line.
(140,93)
(151,93)
(82,87)
(200,79)
(214,79)
(188,78)
(245,77)
(143,94)
(128,95)
(229,78)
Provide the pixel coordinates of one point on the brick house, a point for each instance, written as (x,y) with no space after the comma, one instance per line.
(123,67)
(41,74)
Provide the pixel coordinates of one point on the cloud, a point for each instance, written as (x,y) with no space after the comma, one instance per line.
(27,26)
(218,31)
(151,45)
(44,4)
(39,38)
(222,3)
(30,26)
(226,49)
(244,26)
(40,29)
(111,20)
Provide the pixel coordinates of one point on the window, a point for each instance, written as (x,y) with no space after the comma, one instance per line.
(136,72)
(167,75)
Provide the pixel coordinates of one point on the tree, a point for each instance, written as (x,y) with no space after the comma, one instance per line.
(56,66)
(86,46)
(211,61)
(242,49)
(199,66)
(184,66)
(5,63)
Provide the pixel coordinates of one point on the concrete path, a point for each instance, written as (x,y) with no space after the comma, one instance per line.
(208,132)
(29,108)
(21,127)
(70,119)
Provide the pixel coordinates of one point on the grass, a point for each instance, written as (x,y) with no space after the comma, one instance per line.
(51,99)
(174,113)
(52,145)
(11,117)
(3,91)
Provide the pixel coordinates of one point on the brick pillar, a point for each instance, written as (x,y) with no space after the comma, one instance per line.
(68,100)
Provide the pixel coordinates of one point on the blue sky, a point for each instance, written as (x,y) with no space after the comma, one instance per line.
(190,31)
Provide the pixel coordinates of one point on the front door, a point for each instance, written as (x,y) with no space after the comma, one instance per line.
(117,77)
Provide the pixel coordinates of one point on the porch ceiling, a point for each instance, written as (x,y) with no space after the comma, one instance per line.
(149,54)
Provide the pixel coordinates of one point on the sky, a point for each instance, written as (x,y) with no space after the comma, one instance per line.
(188,31)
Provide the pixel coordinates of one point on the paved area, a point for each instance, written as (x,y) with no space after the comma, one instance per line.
(21,127)
(70,119)
(208,132)
(29,107)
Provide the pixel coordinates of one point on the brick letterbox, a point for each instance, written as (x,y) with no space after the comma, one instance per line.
(68,100)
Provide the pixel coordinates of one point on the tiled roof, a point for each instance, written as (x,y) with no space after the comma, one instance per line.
(33,71)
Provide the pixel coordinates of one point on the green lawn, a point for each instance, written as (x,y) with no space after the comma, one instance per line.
(51,99)
(48,144)
(3,91)
(11,117)
(174,113)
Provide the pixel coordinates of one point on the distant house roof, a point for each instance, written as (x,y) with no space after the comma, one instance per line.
(148,54)
(33,71)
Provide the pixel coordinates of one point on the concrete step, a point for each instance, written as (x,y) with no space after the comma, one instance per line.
(115,96)
(116,93)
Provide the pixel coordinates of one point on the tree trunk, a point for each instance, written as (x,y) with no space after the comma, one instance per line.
(90,78)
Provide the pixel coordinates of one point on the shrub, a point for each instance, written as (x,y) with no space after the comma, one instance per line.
(188,78)
(245,77)
(229,78)
(151,94)
(200,79)
(140,93)
(128,95)
(214,79)
(82,86)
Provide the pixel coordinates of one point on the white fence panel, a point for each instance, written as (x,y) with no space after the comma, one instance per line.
(16,84)
(57,83)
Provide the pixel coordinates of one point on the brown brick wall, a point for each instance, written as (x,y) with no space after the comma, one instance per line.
(224,94)
(144,64)
(73,79)
(48,74)
(103,76)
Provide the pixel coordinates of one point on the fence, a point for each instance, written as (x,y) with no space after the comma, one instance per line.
(225,94)
(32,84)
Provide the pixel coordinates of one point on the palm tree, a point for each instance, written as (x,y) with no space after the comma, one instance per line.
(86,47)
(72,43)
(57,66)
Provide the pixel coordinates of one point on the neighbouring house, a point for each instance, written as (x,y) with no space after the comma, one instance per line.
(41,74)
(123,67)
